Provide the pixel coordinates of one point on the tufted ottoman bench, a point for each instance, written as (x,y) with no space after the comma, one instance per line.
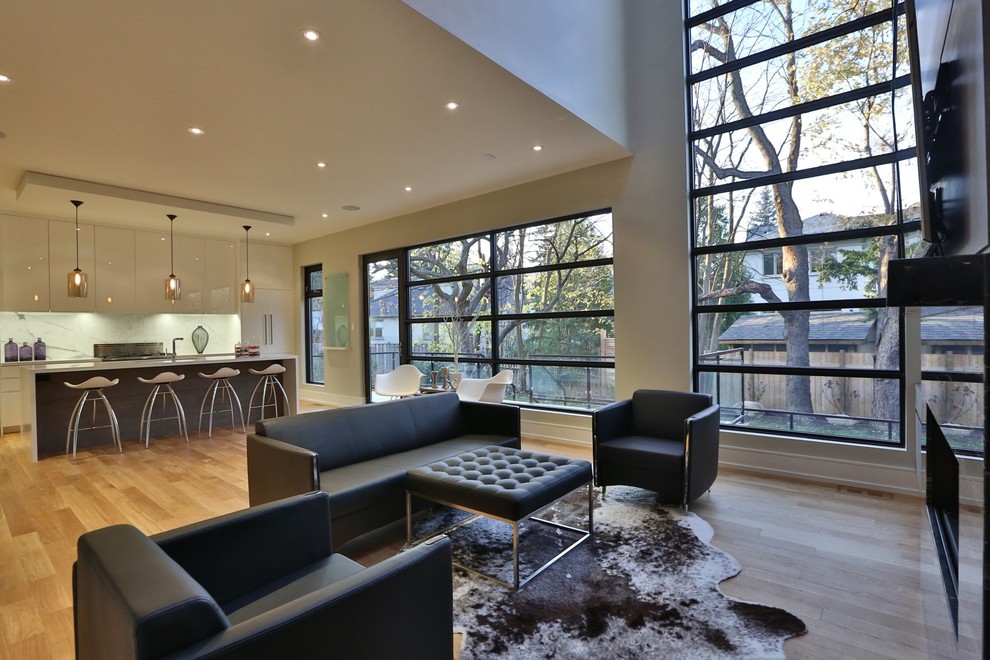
(504,484)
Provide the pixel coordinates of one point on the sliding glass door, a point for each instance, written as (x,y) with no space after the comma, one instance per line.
(383,339)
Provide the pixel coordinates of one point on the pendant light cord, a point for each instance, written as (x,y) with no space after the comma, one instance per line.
(77,204)
(171,244)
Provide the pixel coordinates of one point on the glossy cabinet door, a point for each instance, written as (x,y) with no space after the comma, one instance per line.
(151,256)
(25,264)
(190,267)
(270,266)
(221,293)
(10,400)
(112,282)
(270,321)
(62,260)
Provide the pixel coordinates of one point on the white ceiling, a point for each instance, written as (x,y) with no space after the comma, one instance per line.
(103,91)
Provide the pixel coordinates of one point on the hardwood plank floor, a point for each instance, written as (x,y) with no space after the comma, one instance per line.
(858,567)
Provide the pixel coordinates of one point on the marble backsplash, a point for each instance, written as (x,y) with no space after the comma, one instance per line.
(72,335)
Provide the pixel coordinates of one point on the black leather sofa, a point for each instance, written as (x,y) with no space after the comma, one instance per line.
(259,583)
(359,455)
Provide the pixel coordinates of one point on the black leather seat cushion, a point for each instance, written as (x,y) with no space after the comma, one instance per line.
(644,452)
(499,481)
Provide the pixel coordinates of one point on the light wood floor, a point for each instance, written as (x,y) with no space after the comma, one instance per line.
(856,566)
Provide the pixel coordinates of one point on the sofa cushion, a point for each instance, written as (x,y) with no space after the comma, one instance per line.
(305,581)
(653,454)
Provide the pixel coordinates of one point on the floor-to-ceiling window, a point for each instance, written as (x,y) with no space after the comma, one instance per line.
(313,304)
(803,188)
(535,299)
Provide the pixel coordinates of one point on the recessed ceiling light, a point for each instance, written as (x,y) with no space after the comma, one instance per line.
(350,207)
(537,147)
(452,105)
(321,164)
(311,35)
(326,215)
(196,130)
(408,188)
(268,233)
(5,78)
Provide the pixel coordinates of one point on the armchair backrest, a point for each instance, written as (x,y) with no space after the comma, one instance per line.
(661,413)
(404,380)
(491,390)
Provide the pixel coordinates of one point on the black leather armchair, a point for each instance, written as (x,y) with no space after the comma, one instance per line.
(259,583)
(660,440)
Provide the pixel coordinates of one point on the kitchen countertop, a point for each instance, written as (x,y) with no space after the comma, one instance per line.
(94,364)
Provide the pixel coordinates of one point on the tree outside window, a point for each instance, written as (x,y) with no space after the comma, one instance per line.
(801,134)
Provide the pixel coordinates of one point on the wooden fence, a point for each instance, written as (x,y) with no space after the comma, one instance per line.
(953,403)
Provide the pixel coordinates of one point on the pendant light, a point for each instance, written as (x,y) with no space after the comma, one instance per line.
(247,288)
(173,286)
(77,280)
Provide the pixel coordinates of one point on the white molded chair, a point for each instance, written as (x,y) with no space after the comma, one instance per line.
(491,389)
(402,381)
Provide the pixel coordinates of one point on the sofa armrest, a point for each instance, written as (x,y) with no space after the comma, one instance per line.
(611,421)
(233,555)
(401,607)
(131,600)
(278,469)
(492,418)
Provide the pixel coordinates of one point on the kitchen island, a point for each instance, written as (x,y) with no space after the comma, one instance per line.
(47,403)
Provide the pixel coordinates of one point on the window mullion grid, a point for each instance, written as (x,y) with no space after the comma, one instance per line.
(823,103)
(809,173)
(780,370)
(820,37)
(807,239)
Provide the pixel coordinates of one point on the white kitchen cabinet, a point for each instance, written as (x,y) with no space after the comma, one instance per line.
(10,400)
(270,266)
(112,284)
(62,260)
(154,258)
(270,321)
(221,286)
(25,264)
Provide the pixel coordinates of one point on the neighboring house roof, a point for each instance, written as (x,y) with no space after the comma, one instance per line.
(961,325)
(850,327)
(952,326)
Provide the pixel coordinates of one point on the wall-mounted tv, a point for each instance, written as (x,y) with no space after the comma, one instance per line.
(947,43)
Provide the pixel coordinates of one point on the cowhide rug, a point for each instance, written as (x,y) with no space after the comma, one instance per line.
(645,585)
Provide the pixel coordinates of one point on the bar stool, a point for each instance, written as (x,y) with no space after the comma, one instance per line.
(270,389)
(221,382)
(164,379)
(92,392)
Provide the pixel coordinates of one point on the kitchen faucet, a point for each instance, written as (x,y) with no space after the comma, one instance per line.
(173,346)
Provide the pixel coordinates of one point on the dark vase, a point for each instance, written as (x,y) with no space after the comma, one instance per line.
(40,350)
(10,351)
(25,353)
(200,338)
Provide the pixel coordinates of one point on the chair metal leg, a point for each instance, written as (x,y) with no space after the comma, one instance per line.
(179,412)
(114,427)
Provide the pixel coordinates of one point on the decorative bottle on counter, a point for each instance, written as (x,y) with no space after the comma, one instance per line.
(26,353)
(40,350)
(10,351)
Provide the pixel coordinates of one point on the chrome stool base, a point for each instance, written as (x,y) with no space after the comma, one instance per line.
(271,387)
(92,393)
(221,383)
(162,380)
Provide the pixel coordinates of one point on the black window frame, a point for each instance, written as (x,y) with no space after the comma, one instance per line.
(496,361)
(309,294)
(899,229)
